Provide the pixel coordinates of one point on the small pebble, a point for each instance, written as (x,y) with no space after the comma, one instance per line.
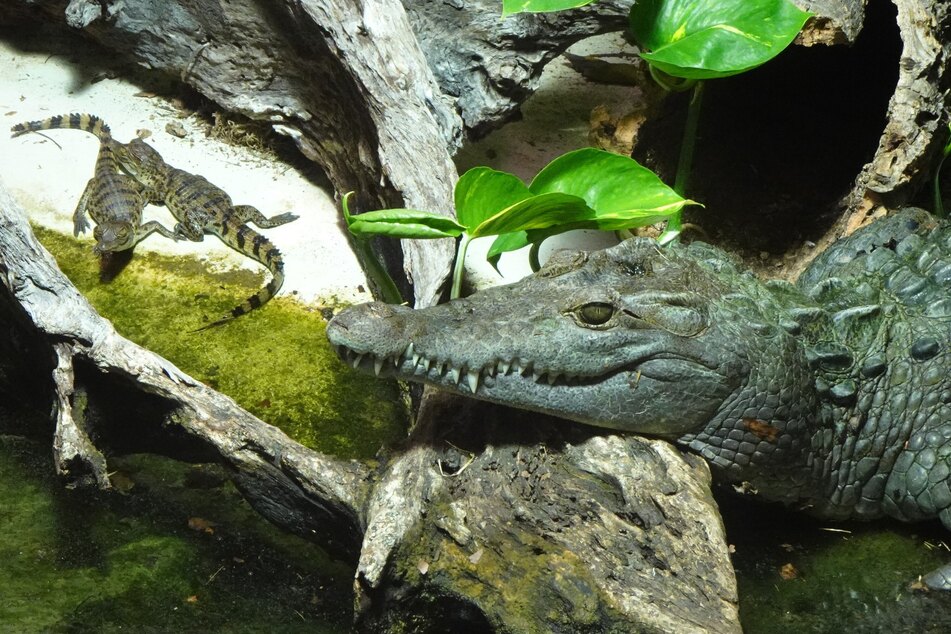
(176,129)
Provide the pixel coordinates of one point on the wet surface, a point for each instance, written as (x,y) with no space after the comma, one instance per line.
(799,574)
(178,550)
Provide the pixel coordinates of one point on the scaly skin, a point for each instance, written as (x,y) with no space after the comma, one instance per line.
(114,200)
(201,207)
(833,395)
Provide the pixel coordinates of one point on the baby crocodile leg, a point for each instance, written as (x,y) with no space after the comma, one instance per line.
(80,223)
(242,214)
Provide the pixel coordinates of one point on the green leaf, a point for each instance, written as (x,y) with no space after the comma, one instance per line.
(404,223)
(618,193)
(704,39)
(537,212)
(505,243)
(483,192)
(540,6)
(614,186)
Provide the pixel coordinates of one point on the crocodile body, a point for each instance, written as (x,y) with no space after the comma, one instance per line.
(114,200)
(833,394)
(202,207)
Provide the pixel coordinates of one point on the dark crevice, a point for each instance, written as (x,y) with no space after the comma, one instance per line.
(778,147)
(122,419)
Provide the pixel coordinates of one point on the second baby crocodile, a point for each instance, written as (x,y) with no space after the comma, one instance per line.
(202,207)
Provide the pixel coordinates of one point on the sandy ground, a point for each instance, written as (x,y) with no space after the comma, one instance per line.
(48,174)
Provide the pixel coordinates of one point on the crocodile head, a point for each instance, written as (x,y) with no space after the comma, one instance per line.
(634,338)
(113,236)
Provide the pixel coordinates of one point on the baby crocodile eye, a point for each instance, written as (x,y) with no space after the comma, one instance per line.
(596,313)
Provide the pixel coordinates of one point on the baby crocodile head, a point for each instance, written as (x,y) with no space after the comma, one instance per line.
(143,162)
(633,338)
(113,236)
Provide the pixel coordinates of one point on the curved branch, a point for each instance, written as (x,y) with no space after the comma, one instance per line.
(298,489)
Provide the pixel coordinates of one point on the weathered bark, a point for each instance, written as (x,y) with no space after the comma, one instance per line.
(917,120)
(581,532)
(618,534)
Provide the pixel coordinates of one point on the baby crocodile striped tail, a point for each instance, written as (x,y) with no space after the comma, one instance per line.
(115,201)
(75,121)
(242,238)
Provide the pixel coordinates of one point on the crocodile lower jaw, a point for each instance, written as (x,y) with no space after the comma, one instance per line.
(414,366)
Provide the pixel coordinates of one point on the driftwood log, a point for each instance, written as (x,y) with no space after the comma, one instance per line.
(537,527)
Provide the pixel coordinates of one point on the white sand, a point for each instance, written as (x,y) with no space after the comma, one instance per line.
(48,180)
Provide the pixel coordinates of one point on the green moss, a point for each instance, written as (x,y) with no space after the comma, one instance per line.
(854,578)
(527,585)
(275,362)
(79,562)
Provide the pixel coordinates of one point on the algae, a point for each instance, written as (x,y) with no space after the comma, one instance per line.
(76,561)
(275,361)
(839,577)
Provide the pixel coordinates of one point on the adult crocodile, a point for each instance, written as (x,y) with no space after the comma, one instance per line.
(833,394)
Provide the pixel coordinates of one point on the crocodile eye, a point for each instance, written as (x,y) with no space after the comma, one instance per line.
(596,313)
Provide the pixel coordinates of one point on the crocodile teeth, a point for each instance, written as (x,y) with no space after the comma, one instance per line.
(410,352)
(377,365)
(473,376)
(454,375)
(552,377)
(356,361)
(504,367)
(425,364)
(490,371)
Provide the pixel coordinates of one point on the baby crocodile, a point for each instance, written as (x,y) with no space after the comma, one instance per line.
(833,395)
(201,207)
(114,200)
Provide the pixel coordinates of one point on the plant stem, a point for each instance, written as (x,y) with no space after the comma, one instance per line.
(689,141)
(938,202)
(460,266)
(376,272)
(533,256)
(685,163)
